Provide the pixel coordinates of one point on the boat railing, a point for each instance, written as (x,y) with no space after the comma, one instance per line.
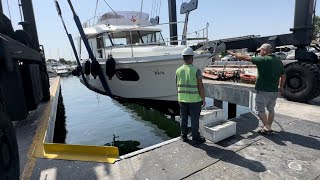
(90,22)
(192,38)
(201,36)
(195,37)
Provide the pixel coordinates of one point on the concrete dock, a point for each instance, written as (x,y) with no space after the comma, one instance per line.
(292,152)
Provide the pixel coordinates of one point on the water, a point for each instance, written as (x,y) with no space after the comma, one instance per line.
(93,119)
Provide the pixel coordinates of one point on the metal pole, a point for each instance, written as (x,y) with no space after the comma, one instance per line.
(28,15)
(173,18)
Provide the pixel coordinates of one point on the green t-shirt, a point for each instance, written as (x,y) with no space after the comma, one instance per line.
(270,68)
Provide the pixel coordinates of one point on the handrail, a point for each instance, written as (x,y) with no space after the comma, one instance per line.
(205,36)
(139,26)
(89,21)
(166,41)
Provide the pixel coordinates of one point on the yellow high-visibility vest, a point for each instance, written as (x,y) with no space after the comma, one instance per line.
(187,84)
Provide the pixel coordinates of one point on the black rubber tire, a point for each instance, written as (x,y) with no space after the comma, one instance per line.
(9,154)
(302,82)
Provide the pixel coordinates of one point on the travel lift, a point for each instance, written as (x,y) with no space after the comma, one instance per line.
(303,76)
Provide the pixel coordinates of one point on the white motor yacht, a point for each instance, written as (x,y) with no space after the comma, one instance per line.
(145,63)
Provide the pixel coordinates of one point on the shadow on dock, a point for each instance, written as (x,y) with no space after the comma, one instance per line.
(231,157)
(281,137)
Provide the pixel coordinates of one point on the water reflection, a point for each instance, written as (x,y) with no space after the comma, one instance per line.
(162,121)
(92,119)
(125,147)
(60,131)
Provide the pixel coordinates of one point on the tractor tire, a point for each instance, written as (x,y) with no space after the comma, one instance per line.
(302,82)
(9,154)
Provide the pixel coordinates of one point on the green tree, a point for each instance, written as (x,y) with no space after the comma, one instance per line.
(316,30)
(63,61)
(51,60)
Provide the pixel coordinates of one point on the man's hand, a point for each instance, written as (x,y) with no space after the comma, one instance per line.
(203,103)
(282,82)
(281,90)
(240,56)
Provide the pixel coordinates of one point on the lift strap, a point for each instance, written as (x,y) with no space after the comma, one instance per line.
(86,43)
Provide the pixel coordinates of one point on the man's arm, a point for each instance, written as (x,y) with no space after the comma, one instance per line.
(200,87)
(282,81)
(240,56)
(176,84)
(201,91)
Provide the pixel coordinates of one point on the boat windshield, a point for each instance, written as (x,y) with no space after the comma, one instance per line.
(126,38)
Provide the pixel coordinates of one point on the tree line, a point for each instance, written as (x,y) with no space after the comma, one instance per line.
(62,61)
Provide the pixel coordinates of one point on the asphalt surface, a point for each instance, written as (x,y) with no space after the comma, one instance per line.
(292,152)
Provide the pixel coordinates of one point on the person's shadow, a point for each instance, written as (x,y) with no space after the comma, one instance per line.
(247,128)
(249,123)
(305,141)
(246,125)
(231,157)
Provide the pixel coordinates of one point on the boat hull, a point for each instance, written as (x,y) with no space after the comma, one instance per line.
(156,79)
(155,84)
(63,74)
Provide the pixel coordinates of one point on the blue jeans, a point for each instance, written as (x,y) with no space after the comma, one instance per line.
(193,110)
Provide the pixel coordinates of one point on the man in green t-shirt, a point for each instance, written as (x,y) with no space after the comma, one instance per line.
(270,71)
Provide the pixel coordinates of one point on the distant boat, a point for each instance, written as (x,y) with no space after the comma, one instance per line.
(62,70)
(51,71)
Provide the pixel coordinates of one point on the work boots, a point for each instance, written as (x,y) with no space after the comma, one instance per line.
(184,138)
(199,140)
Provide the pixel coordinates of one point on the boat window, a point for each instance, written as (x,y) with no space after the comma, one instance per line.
(100,43)
(119,41)
(151,37)
(120,38)
(107,40)
(100,46)
(127,75)
(123,38)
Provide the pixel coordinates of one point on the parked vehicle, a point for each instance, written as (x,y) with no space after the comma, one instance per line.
(291,54)
(281,55)
(229,58)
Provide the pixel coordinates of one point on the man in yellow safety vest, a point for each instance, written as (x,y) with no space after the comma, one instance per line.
(190,96)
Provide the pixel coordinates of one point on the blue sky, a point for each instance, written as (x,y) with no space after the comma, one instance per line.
(227,18)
